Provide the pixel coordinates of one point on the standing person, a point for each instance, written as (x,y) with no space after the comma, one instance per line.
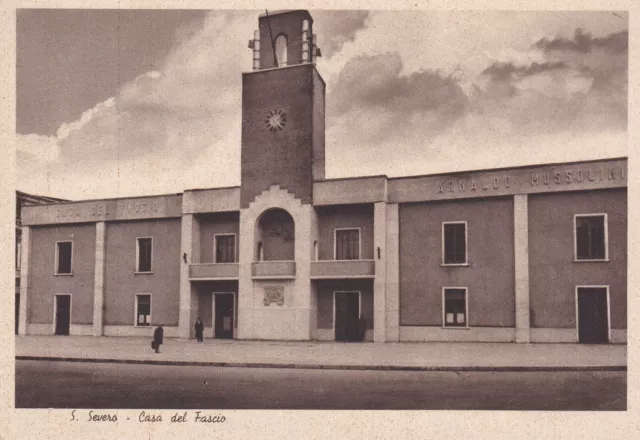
(158,335)
(199,330)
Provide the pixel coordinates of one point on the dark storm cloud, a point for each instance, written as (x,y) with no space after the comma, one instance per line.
(338,27)
(583,42)
(371,82)
(504,71)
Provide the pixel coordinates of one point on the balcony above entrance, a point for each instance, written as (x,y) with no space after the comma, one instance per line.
(213,271)
(325,269)
(273,270)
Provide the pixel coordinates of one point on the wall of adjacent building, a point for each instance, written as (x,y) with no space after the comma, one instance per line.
(554,275)
(121,281)
(43,284)
(489,276)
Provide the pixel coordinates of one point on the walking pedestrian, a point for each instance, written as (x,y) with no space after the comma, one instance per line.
(158,336)
(199,330)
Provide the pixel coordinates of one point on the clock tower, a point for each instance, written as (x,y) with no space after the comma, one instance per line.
(282,109)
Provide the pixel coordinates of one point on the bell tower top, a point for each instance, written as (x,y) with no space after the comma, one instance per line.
(284,38)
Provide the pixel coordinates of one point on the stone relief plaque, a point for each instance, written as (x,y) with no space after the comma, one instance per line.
(274,294)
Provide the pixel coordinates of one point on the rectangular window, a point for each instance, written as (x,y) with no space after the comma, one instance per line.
(144,251)
(225,248)
(591,237)
(347,244)
(455,307)
(143,310)
(454,246)
(18,253)
(64,255)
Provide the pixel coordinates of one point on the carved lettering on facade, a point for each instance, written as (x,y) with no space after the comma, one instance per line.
(580,175)
(99,209)
(143,207)
(503,182)
(273,294)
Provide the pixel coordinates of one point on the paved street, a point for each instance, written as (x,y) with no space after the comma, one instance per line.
(43,384)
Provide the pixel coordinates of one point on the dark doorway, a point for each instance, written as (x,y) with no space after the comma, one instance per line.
(224,316)
(347,316)
(593,320)
(17,311)
(63,314)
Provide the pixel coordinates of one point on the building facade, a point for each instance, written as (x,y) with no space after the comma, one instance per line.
(24,199)
(528,254)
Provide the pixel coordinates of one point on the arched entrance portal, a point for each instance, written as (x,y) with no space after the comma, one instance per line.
(275,236)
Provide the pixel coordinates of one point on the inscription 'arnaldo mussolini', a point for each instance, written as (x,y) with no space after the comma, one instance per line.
(520,179)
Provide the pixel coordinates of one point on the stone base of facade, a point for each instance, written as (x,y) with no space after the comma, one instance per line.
(129,330)
(327,334)
(49,329)
(472,334)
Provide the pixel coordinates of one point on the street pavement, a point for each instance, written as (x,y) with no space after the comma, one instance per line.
(285,354)
(45,384)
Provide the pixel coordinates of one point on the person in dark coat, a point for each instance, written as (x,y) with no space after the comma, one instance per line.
(199,330)
(158,336)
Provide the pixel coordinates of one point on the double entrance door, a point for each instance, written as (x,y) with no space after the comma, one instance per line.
(348,326)
(593,315)
(223,315)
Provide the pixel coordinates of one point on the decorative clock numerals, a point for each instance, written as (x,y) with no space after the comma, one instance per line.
(276,120)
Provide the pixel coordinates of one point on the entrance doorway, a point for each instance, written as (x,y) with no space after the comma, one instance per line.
(346,316)
(62,314)
(593,314)
(223,315)
(17,312)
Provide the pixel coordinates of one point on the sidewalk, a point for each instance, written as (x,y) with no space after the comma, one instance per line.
(328,355)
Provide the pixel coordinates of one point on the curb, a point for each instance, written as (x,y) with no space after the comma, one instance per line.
(327,366)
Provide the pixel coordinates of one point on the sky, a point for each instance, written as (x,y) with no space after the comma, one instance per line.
(125,103)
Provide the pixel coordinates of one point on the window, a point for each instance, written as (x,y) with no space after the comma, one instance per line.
(144,252)
(281,50)
(591,237)
(454,246)
(347,246)
(455,307)
(225,248)
(143,310)
(64,256)
(18,253)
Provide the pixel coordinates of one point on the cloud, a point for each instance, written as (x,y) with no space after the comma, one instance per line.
(501,71)
(338,28)
(617,42)
(168,129)
(373,94)
(390,108)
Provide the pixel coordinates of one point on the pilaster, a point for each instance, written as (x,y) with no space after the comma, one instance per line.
(186,295)
(24,279)
(521,248)
(380,281)
(392,299)
(98,285)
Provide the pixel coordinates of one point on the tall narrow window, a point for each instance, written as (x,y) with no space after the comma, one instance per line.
(454,244)
(145,253)
(64,255)
(143,310)
(591,237)
(455,307)
(347,244)
(281,50)
(18,253)
(225,248)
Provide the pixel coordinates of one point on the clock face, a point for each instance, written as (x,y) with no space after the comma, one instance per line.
(276,120)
